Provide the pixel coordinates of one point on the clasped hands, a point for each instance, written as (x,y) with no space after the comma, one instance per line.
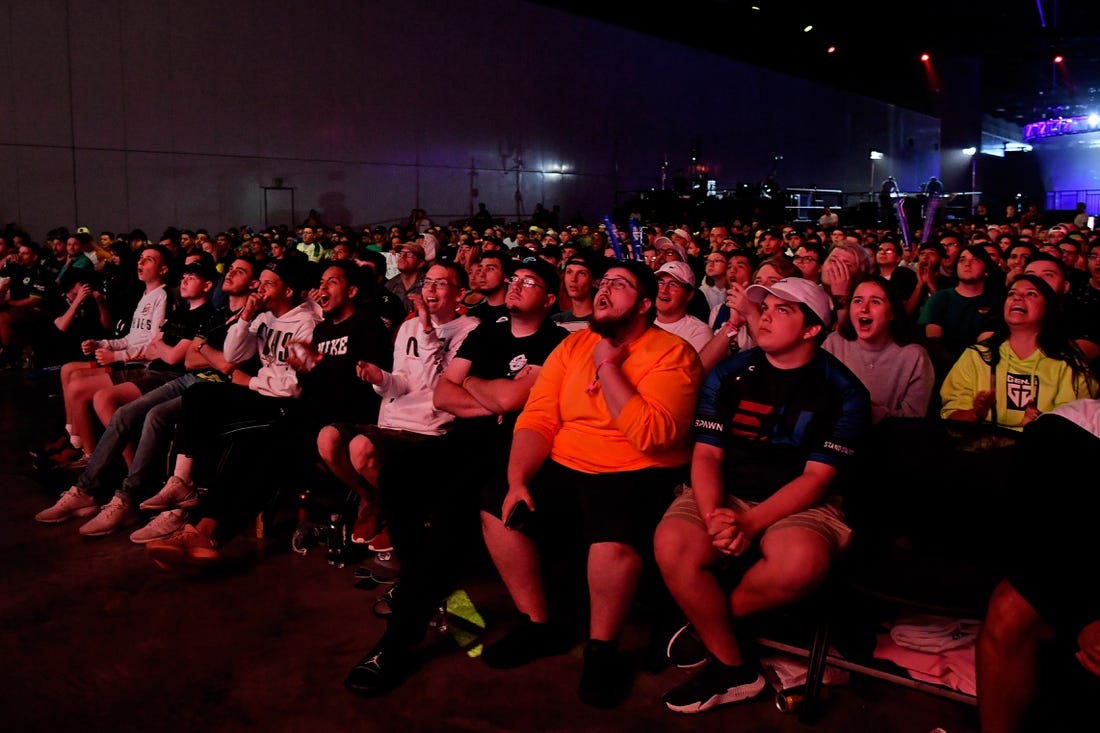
(727,531)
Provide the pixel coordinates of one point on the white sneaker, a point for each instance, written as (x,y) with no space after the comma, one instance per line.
(73,503)
(114,515)
(176,493)
(163,526)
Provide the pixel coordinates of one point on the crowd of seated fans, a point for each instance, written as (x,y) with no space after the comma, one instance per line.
(420,343)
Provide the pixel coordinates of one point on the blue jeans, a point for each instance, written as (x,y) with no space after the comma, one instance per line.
(154,414)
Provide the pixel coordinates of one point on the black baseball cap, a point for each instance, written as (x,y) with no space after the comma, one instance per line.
(546,272)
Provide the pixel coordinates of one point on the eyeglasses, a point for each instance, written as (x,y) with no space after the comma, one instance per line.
(668,282)
(525,282)
(439,284)
(618,284)
(887,250)
(407,253)
(1093,258)
(806,259)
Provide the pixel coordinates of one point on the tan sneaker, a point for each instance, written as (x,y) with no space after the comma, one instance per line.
(163,526)
(73,503)
(176,493)
(114,515)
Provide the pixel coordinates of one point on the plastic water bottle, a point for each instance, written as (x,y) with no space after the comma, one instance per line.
(335,540)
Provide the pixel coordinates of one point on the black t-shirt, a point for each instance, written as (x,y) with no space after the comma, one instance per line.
(53,346)
(1082,313)
(332,391)
(489,313)
(386,306)
(36,280)
(217,326)
(214,331)
(182,323)
(495,353)
(904,281)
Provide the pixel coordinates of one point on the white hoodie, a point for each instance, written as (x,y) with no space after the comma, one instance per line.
(145,324)
(418,360)
(269,336)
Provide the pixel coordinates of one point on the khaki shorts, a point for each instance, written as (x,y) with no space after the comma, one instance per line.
(826,520)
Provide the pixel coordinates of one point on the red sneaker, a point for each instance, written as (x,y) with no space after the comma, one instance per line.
(380,542)
(67,455)
(188,548)
(366,525)
(44,451)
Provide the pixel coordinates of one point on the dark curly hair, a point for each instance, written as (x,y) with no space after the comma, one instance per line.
(1054,338)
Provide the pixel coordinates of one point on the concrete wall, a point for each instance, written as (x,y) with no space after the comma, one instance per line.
(116,114)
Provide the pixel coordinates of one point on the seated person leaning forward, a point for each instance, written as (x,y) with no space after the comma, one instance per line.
(776,429)
(597,452)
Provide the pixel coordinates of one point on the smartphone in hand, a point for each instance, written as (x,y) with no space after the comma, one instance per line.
(519,516)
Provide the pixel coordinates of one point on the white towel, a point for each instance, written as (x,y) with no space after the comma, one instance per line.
(934,634)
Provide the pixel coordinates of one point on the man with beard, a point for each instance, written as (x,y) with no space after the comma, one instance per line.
(597,453)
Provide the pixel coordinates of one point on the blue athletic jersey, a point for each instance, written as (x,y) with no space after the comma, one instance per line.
(771,421)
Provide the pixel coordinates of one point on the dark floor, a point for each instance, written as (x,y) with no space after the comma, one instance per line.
(95,638)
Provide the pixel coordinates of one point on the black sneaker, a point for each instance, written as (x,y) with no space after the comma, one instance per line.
(526,642)
(383,607)
(716,684)
(382,670)
(685,649)
(605,681)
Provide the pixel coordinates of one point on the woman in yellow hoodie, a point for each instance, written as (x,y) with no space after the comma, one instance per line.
(1027,366)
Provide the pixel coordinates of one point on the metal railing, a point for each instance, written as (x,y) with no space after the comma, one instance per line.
(1062,200)
(806,204)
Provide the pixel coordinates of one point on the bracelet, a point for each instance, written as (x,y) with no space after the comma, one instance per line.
(591,389)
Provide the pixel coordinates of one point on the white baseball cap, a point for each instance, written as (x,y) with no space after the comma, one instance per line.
(797,290)
(679,271)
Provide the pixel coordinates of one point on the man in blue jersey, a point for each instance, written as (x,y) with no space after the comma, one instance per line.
(776,430)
